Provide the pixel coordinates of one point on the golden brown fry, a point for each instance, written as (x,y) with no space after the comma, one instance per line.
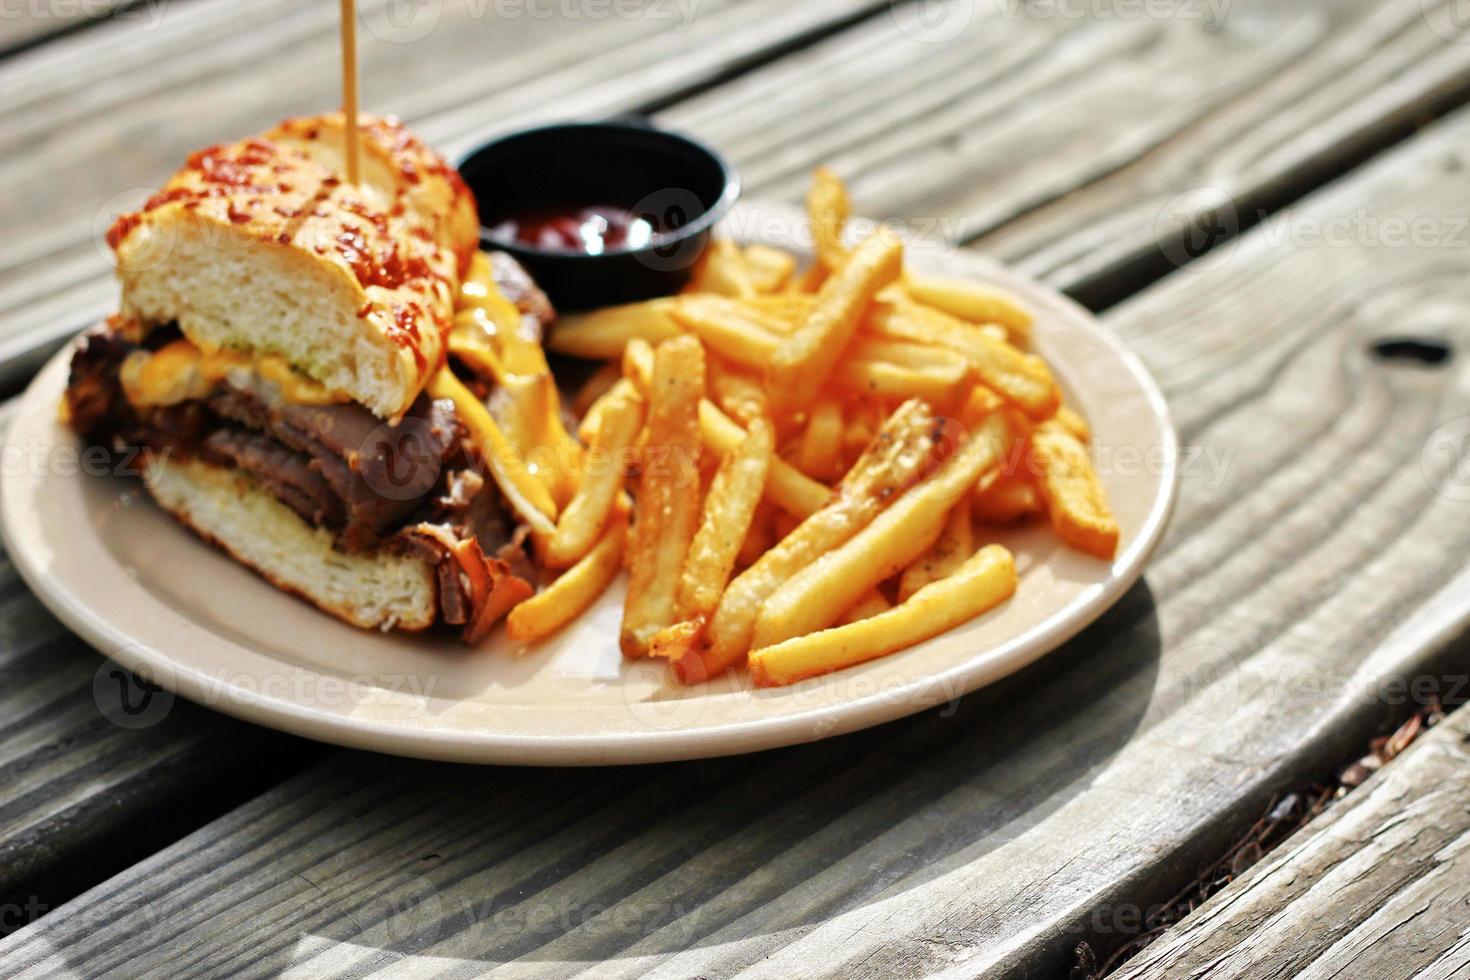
(816,596)
(897,459)
(956,543)
(806,357)
(761,536)
(871,604)
(602,480)
(722,270)
(603,380)
(864,418)
(668,500)
(972,301)
(1022,378)
(819,453)
(785,311)
(601,335)
(638,364)
(770,269)
(729,328)
(592,421)
(981,583)
(673,642)
(786,486)
(574,590)
(737,393)
(1006,501)
(828,209)
(729,508)
(1074,495)
(897,369)
(1074,423)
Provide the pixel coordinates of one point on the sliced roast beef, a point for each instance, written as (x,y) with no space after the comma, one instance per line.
(286,473)
(381,472)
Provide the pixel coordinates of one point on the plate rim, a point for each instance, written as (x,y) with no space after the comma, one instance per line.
(491,746)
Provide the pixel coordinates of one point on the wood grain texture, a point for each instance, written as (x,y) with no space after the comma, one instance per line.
(1322,513)
(24,25)
(94,125)
(1377,887)
(1072,146)
(83,792)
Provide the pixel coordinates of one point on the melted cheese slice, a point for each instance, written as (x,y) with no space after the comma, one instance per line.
(180,371)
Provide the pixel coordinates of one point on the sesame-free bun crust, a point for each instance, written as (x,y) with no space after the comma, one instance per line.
(263,246)
(374,590)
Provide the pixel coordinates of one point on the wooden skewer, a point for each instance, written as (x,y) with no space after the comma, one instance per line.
(349,85)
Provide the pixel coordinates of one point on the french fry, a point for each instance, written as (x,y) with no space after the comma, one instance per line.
(819,453)
(786,486)
(668,502)
(864,418)
(592,420)
(760,537)
(729,508)
(1021,378)
(722,269)
(729,328)
(770,269)
(526,495)
(602,334)
(673,642)
(871,604)
(601,381)
(806,357)
(1009,499)
(896,369)
(786,311)
(582,520)
(897,459)
(983,582)
(1074,423)
(828,209)
(972,301)
(574,590)
(955,544)
(737,393)
(814,597)
(1074,495)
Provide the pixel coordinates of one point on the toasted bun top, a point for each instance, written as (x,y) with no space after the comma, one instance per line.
(262,245)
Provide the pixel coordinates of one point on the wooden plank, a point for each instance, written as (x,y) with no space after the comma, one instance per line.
(1069,146)
(1318,523)
(90,782)
(94,125)
(1376,887)
(26,24)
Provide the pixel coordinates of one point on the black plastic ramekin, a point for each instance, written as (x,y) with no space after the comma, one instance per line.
(678,184)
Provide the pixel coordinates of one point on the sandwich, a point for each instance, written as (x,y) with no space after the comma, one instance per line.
(280,368)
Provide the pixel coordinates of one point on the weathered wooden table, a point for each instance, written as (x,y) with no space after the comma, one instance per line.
(1257,192)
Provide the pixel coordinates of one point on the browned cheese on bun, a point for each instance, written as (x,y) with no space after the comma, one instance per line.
(263,247)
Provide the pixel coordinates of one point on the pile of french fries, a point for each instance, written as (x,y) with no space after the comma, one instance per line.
(797,468)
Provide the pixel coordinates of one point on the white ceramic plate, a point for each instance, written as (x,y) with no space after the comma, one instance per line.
(145,592)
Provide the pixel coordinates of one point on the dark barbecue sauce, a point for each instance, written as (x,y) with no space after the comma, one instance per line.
(592,229)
